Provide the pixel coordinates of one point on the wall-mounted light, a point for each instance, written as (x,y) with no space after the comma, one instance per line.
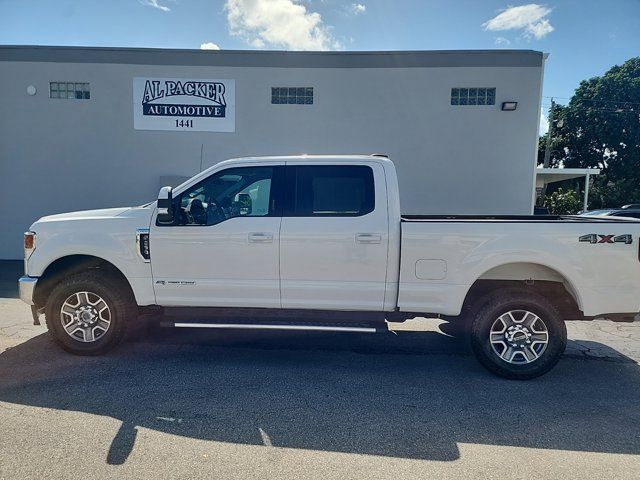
(509,106)
(31,90)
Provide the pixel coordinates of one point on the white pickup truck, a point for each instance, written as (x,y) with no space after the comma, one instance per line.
(318,243)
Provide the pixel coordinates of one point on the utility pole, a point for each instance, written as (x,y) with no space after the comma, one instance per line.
(547,150)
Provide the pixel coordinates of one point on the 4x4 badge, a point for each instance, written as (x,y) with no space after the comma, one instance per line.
(597,238)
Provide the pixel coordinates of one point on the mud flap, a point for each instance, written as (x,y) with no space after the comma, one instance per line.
(34,314)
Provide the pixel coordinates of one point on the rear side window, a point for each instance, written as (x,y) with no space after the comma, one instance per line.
(330,191)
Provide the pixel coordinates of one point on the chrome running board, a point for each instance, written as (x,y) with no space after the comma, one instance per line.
(257,326)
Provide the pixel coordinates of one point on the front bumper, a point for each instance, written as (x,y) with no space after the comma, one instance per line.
(27,285)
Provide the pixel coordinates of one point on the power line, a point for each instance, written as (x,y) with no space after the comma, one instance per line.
(584,99)
(603,109)
(622,108)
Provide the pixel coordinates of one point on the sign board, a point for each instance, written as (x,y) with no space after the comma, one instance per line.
(184,104)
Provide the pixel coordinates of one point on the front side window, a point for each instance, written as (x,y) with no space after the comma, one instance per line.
(331,191)
(235,192)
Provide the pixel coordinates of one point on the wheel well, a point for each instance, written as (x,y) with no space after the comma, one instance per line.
(526,276)
(72,264)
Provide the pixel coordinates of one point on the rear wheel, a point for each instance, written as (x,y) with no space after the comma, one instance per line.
(87,313)
(518,335)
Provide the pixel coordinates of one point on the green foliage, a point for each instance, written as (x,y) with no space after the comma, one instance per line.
(600,128)
(614,194)
(563,202)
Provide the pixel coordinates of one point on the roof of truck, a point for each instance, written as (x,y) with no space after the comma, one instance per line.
(376,157)
(312,157)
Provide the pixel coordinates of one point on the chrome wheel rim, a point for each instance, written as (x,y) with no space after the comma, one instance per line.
(519,337)
(85,316)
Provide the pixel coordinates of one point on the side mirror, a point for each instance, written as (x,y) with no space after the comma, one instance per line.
(165,205)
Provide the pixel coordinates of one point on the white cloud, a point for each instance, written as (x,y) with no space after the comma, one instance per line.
(358,8)
(279,23)
(539,30)
(531,19)
(544,124)
(155,4)
(209,46)
(502,41)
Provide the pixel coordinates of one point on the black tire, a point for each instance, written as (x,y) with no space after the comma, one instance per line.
(121,309)
(498,304)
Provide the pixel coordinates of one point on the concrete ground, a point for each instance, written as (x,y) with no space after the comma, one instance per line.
(176,404)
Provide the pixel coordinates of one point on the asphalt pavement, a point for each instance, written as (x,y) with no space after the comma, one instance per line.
(202,404)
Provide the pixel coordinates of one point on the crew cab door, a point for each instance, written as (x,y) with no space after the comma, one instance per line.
(334,237)
(222,248)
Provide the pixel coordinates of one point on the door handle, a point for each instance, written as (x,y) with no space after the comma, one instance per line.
(260,237)
(368,238)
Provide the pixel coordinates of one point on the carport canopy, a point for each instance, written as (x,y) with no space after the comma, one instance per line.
(545,176)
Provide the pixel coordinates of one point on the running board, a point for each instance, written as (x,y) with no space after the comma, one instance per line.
(265,326)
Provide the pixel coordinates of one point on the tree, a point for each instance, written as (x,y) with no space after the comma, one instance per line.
(600,128)
(562,202)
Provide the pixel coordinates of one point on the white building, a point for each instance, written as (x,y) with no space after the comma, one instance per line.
(84,128)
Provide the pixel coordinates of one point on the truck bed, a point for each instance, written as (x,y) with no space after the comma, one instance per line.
(442,256)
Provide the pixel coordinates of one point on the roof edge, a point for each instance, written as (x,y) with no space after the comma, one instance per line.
(273,58)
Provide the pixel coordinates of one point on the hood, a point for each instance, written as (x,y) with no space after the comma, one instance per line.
(85,214)
(141,216)
(107,220)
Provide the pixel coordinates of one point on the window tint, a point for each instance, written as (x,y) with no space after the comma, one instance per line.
(235,192)
(331,190)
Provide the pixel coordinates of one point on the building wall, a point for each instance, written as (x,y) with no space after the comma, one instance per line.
(64,155)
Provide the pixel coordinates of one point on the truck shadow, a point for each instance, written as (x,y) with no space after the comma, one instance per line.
(10,271)
(377,395)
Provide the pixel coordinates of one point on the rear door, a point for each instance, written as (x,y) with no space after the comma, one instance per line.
(334,237)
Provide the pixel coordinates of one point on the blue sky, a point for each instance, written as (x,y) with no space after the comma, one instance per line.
(584,37)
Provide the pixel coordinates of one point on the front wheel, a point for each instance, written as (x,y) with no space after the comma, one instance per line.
(518,335)
(87,313)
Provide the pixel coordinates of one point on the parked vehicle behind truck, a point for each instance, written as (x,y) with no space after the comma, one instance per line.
(318,243)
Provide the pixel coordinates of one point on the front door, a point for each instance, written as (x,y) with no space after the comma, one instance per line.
(222,248)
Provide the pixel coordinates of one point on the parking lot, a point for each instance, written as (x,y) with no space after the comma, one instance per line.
(183,404)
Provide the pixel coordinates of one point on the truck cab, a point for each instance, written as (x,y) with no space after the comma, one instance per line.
(273,233)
